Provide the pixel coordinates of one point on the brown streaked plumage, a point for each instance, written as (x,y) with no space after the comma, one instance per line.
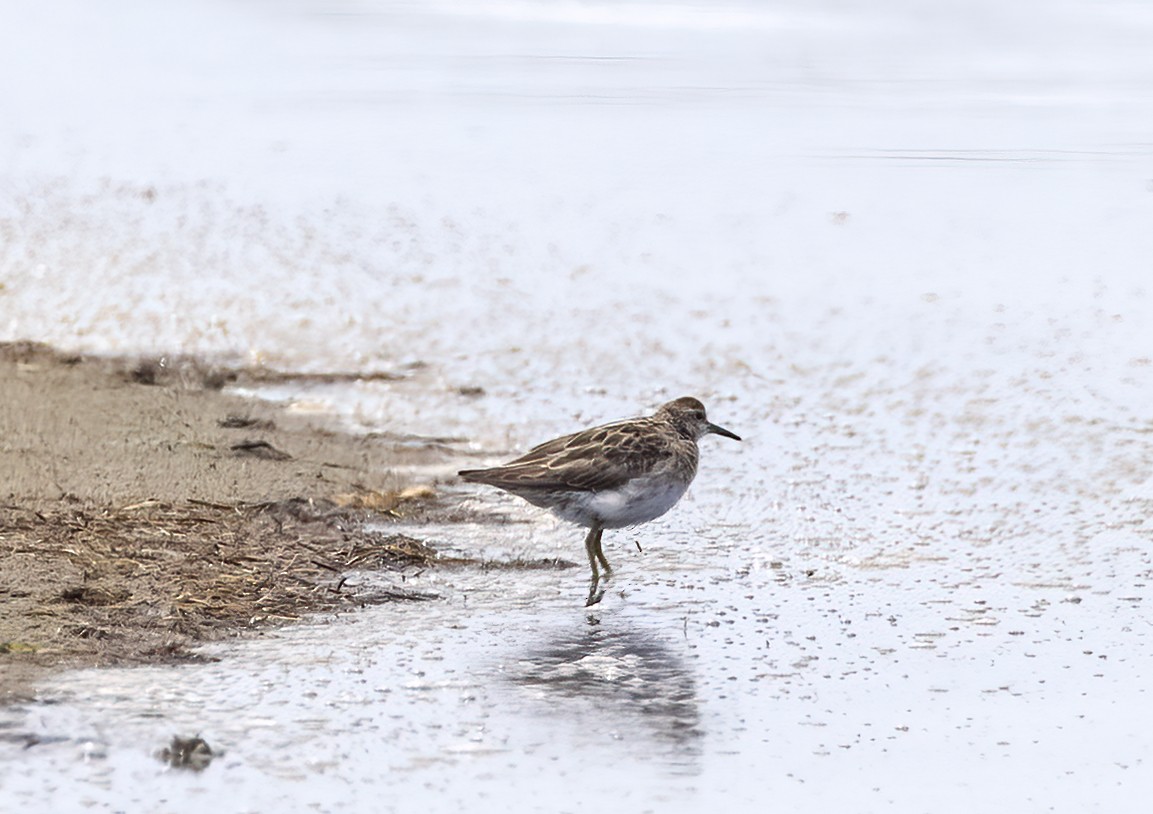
(612,476)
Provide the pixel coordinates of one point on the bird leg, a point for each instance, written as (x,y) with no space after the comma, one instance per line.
(601,556)
(593,547)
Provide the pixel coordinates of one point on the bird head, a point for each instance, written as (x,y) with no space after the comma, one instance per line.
(687,414)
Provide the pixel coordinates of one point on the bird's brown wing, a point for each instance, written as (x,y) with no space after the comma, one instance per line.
(592,460)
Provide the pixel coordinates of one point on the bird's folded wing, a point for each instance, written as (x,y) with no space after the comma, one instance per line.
(593,460)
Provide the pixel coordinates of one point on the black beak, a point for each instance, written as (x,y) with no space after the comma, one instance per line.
(713,428)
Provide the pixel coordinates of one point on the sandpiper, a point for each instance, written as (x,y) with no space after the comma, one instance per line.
(612,476)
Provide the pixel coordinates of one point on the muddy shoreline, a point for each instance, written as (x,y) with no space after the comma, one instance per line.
(143,510)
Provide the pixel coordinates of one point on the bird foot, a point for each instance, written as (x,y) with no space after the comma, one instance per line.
(596,593)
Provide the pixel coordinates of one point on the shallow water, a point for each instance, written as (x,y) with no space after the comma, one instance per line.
(903,254)
(736,681)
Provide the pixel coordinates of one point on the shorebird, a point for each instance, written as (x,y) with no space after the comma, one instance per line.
(612,476)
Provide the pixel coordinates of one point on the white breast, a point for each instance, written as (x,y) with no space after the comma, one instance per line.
(638,501)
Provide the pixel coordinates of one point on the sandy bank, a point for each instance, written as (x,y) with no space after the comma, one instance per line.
(143,510)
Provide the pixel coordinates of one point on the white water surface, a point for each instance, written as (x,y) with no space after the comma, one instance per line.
(904,250)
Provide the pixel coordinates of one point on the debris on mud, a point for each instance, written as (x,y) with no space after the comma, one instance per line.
(192,753)
(134,524)
(145,581)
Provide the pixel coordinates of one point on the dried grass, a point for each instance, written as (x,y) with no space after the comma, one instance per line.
(151,578)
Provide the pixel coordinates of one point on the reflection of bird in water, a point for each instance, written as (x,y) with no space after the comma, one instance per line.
(632,678)
(609,477)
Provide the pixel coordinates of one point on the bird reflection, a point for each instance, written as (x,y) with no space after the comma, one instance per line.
(632,678)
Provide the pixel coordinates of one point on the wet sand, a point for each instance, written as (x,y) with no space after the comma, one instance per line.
(143,510)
